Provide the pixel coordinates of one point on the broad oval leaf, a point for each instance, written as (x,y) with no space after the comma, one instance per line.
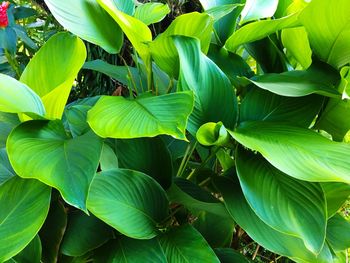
(210,86)
(197,25)
(150,13)
(338,233)
(320,78)
(146,155)
(260,232)
(336,195)
(137,32)
(328,26)
(121,118)
(86,19)
(297,152)
(262,105)
(83,234)
(127,250)
(257,9)
(42,150)
(17,97)
(180,243)
(67,55)
(130,201)
(259,30)
(294,207)
(24,205)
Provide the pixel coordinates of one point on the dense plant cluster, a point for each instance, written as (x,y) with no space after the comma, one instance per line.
(175,131)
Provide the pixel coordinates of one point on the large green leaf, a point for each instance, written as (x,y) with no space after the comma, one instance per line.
(261,105)
(130,201)
(335,119)
(86,19)
(31,253)
(42,150)
(67,55)
(294,207)
(296,41)
(7,122)
(296,151)
(127,250)
(199,74)
(147,155)
(83,234)
(338,233)
(336,195)
(260,232)
(137,32)
(52,231)
(228,255)
(259,30)
(6,171)
(147,116)
(257,9)
(320,78)
(17,97)
(24,205)
(184,244)
(150,13)
(328,25)
(198,25)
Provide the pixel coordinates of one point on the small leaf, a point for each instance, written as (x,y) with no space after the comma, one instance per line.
(88,20)
(67,54)
(257,9)
(130,201)
(228,255)
(31,253)
(150,13)
(17,97)
(6,170)
(24,205)
(179,245)
(336,195)
(117,117)
(108,159)
(42,150)
(297,152)
(338,233)
(211,133)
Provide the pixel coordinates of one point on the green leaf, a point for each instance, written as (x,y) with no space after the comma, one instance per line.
(228,255)
(211,133)
(259,30)
(88,20)
(320,78)
(296,41)
(260,232)
(335,119)
(67,54)
(150,13)
(130,201)
(220,11)
(75,117)
(199,74)
(42,150)
(126,6)
(117,117)
(261,105)
(216,234)
(108,159)
(24,205)
(146,155)
(127,250)
(257,9)
(184,244)
(194,198)
(330,43)
(52,231)
(137,32)
(31,253)
(83,234)
(297,152)
(338,233)
(336,195)
(7,122)
(291,206)
(17,97)
(163,50)
(6,171)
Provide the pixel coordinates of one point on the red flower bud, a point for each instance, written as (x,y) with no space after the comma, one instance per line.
(4,22)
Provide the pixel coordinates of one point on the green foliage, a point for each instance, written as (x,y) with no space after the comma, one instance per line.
(221,133)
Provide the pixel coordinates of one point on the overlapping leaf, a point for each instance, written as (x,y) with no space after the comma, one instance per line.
(150,13)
